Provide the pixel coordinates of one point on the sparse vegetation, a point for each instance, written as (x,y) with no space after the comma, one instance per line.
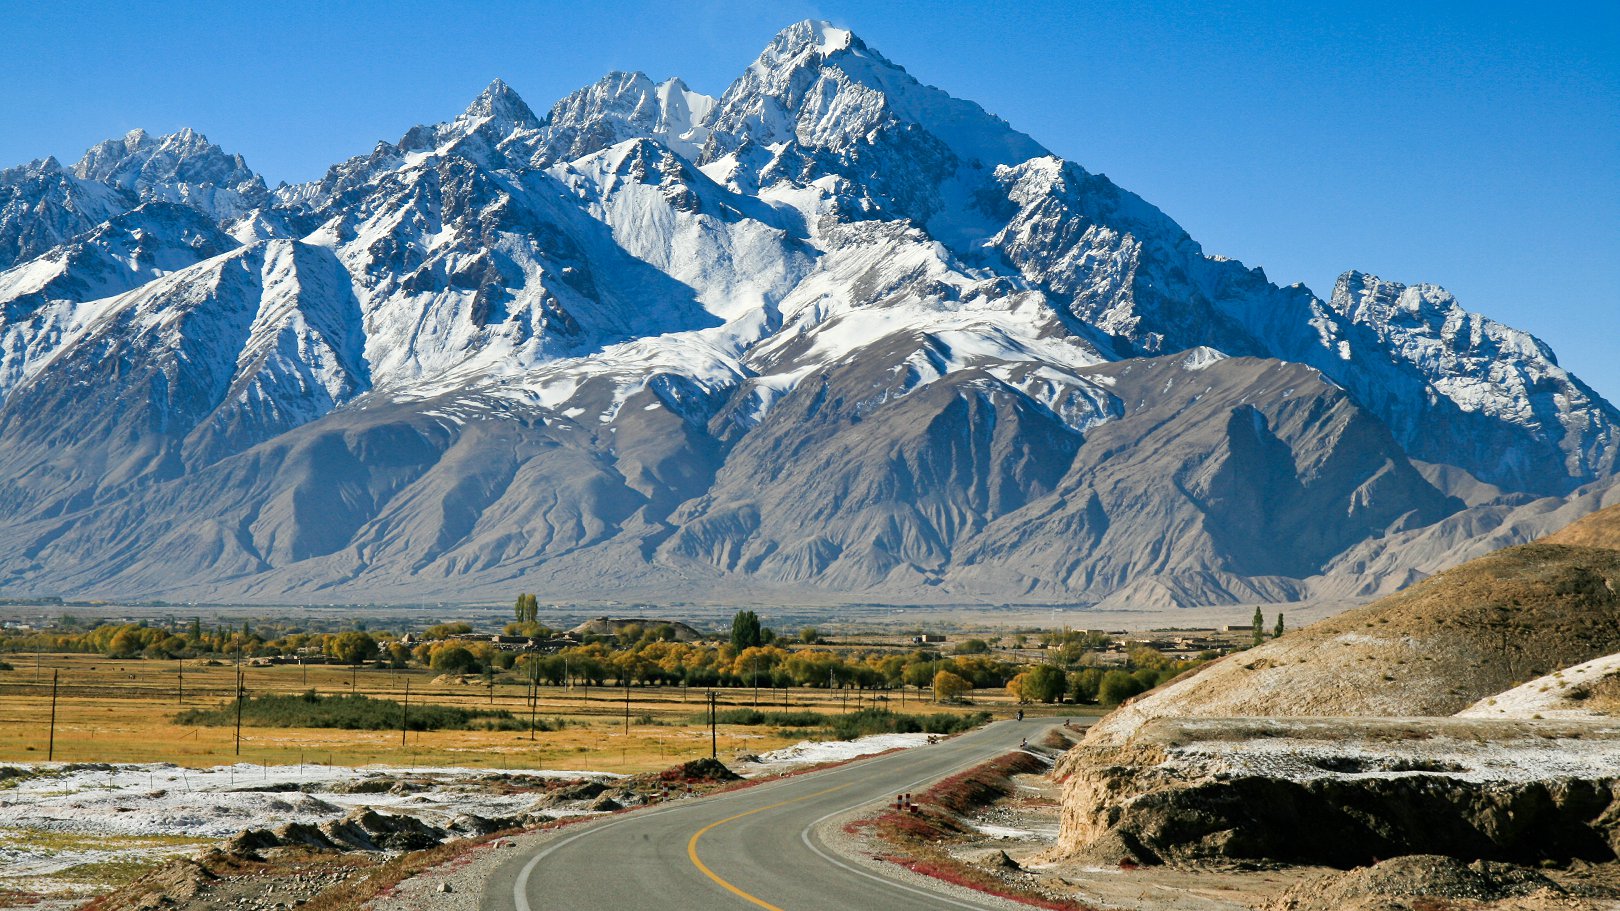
(882,721)
(855,724)
(352,713)
(757,717)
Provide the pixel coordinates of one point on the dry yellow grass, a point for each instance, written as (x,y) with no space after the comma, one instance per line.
(1466,634)
(122,711)
(1600,529)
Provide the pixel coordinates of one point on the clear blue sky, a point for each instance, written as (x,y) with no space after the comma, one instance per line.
(1474,145)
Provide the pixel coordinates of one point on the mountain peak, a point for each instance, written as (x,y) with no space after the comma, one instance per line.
(182,166)
(825,88)
(804,45)
(1365,298)
(622,106)
(816,34)
(500,102)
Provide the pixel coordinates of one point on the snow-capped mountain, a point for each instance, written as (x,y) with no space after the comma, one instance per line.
(833,333)
(182,167)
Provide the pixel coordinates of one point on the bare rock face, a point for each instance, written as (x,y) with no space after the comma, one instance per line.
(1345,792)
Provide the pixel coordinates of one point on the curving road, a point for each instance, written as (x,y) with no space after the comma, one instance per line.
(754,848)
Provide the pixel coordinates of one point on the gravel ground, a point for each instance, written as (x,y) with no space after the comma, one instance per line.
(860,852)
(464,877)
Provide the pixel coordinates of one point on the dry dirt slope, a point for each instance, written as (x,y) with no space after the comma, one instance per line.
(1598,529)
(1465,634)
(1212,767)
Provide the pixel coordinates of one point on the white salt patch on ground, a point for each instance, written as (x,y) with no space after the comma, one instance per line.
(1307,749)
(1549,696)
(1001,831)
(814,752)
(163,799)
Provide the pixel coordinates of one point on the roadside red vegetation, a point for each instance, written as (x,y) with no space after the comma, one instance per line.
(919,835)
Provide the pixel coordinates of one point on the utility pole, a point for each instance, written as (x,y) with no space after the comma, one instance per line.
(714,739)
(238,709)
(534,697)
(50,751)
(627,703)
(405,715)
(753,671)
(182,663)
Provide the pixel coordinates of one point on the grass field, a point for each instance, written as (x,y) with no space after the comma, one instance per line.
(123,711)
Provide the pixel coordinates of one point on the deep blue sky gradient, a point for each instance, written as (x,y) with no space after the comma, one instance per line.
(1473,145)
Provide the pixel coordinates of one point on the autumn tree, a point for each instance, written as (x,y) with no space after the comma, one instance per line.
(453,659)
(1044,683)
(352,647)
(949,687)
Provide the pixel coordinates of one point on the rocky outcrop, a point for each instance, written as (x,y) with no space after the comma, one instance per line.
(1345,792)
(364,829)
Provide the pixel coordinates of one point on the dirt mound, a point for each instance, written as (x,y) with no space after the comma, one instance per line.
(699,770)
(1468,633)
(172,884)
(363,829)
(1589,690)
(1599,529)
(1423,882)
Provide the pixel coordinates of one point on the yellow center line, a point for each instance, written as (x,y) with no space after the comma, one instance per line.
(691,846)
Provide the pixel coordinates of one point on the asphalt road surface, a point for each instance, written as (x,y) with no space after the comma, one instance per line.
(749,849)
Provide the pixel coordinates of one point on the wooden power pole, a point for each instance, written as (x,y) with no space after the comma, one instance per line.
(50,751)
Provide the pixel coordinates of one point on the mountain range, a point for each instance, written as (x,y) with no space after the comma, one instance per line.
(832,335)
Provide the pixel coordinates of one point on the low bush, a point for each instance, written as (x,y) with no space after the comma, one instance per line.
(353,713)
(882,721)
(756,717)
(854,724)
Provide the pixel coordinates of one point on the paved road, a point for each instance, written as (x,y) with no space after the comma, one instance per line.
(754,848)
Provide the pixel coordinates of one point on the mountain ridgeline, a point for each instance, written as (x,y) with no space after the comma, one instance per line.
(834,334)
